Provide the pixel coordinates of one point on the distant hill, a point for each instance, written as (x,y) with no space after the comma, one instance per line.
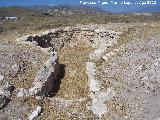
(65,9)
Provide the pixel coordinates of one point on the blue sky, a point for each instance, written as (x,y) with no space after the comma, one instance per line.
(74,2)
(36,2)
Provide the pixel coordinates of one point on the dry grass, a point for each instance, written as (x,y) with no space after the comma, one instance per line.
(74,85)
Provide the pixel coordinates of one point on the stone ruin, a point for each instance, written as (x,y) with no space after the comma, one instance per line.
(94,36)
(97,37)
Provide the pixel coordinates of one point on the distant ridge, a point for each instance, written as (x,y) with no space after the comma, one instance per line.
(67,9)
(77,8)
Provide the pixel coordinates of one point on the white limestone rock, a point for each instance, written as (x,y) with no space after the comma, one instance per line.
(35,113)
(105,58)
(1,77)
(96,55)
(94,85)
(90,70)
(98,101)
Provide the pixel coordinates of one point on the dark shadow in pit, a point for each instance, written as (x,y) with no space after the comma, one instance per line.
(53,83)
(7,100)
(57,80)
(43,41)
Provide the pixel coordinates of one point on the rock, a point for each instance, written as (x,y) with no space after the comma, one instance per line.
(5,93)
(1,77)
(5,90)
(35,113)
(108,55)
(22,92)
(15,68)
(90,70)
(94,85)
(96,55)
(105,58)
(98,101)
(100,29)
(116,50)
(89,33)
(2,101)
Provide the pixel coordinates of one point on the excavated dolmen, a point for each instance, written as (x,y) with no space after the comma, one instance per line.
(44,81)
